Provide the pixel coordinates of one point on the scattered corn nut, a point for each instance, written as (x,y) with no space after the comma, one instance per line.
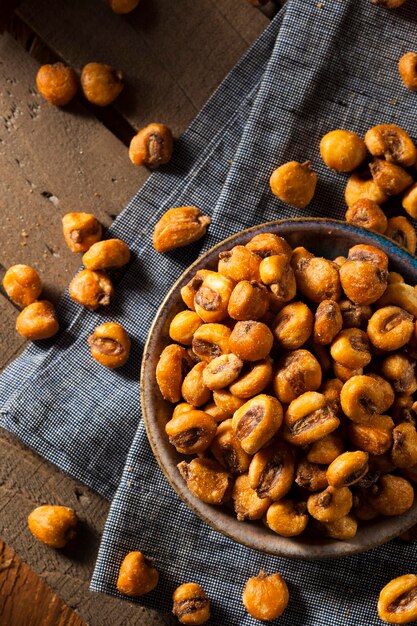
(179,227)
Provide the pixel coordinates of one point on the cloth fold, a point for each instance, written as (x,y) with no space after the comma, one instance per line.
(317,67)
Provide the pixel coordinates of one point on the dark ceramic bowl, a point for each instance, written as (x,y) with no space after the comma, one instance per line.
(328,238)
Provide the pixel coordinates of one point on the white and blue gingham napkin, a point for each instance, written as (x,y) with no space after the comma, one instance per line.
(318,66)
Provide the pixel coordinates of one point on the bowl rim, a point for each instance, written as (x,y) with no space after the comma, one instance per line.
(333,549)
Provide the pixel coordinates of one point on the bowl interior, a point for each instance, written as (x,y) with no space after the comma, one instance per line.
(327,238)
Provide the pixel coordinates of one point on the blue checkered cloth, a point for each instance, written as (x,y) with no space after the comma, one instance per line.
(318,66)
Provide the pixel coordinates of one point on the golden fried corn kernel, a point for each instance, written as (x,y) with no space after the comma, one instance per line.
(101,83)
(402,232)
(91,289)
(212,297)
(246,502)
(399,370)
(362,397)
(239,263)
(53,525)
(294,183)
(375,437)
(266,597)
(183,327)
(395,277)
(390,328)
(251,340)
(268,244)
(361,507)
(293,325)
(347,469)
(253,379)
(297,373)
(363,187)
(257,421)
(342,150)
(227,450)
(207,480)
(191,432)
(173,365)
(389,4)
(331,504)
(343,528)
(222,371)
(397,600)
(367,214)
(287,518)
(191,604)
(327,449)
(402,295)
(354,315)
(404,447)
(37,321)
(308,419)
(277,272)
(392,495)
(327,322)
(391,178)
(344,373)
(179,227)
(227,402)
(137,575)
(331,389)
(108,254)
(409,201)
(364,275)
(190,289)
(22,284)
(317,278)
(249,300)
(311,476)
(210,341)
(81,230)
(181,408)
(351,348)
(271,471)
(402,409)
(392,143)
(407,67)
(194,390)
(57,83)
(123,6)
(212,409)
(110,345)
(152,146)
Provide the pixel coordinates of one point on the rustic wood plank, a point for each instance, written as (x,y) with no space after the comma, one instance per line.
(26,481)
(56,160)
(197,42)
(10,341)
(19,587)
(52,161)
(184,49)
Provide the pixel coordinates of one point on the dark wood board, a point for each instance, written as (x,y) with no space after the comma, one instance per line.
(59,160)
(19,585)
(183,50)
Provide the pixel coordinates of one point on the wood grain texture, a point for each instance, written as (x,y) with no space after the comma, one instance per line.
(10,341)
(59,160)
(27,481)
(25,600)
(52,161)
(184,50)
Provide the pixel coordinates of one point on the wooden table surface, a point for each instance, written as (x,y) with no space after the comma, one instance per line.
(52,161)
